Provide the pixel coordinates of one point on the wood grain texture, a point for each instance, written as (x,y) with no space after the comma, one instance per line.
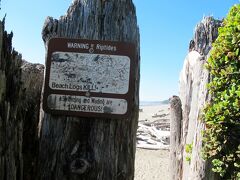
(194,95)
(11,126)
(91,148)
(175,138)
(32,80)
(20,90)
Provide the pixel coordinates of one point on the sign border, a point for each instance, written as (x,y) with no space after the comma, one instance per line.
(122,49)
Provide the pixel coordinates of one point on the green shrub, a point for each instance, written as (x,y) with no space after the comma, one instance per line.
(188,150)
(222,115)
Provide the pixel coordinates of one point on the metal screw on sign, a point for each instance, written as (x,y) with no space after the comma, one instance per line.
(87,94)
(91,50)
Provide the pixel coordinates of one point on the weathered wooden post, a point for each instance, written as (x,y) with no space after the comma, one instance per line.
(11,126)
(20,90)
(194,95)
(32,80)
(175,138)
(73,147)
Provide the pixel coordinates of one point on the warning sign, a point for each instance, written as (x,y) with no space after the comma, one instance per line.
(89,78)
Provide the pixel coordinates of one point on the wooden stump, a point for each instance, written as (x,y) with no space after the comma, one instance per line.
(175,138)
(32,78)
(91,148)
(20,88)
(11,125)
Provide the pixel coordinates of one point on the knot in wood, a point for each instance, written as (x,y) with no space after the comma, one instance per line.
(79,166)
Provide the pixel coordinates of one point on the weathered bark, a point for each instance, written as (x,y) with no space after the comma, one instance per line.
(194,95)
(175,138)
(11,126)
(20,90)
(91,148)
(32,78)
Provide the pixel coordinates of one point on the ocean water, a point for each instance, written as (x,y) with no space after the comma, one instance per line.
(153,103)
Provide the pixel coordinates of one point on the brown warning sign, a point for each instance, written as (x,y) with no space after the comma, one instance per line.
(89,78)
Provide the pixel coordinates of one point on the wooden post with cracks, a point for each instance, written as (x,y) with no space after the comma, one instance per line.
(91,148)
(20,90)
(175,138)
(11,123)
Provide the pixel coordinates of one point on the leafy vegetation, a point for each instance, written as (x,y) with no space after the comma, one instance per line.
(188,150)
(222,114)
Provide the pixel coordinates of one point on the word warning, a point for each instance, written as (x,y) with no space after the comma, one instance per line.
(89,78)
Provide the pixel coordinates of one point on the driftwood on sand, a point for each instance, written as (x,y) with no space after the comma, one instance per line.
(154,134)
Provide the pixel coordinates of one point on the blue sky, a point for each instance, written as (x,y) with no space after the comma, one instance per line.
(166,27)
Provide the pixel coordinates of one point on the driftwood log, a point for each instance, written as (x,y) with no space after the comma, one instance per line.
(175,138)
(20,90)
(11,126)
(194,95)
(32,80)
(91,148)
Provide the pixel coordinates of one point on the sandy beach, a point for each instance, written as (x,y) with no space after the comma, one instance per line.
(152,164)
